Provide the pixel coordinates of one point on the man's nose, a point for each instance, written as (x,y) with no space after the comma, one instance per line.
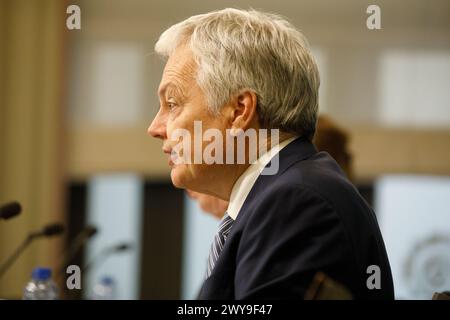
(157,128)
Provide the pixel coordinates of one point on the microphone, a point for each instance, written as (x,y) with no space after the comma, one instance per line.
(79,242)
(48,231)
(10,210)
(121,247)
(106,252)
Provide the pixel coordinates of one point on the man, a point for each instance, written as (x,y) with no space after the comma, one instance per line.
(234,72)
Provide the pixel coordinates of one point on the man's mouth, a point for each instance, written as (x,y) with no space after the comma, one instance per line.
(172,156)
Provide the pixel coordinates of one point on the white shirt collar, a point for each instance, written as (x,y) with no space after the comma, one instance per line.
(245,183)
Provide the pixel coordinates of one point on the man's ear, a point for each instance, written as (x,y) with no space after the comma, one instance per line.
(245,115)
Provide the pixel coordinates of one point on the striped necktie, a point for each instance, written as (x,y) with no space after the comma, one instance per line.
(219,242)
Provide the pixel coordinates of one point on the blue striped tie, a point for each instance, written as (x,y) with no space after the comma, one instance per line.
(219,242)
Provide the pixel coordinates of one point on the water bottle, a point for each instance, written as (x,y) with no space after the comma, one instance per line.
(105,289)
(41,286)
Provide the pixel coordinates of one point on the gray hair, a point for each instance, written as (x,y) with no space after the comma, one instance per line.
(262,52)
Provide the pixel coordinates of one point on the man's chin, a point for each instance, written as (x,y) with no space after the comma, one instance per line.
(178,177)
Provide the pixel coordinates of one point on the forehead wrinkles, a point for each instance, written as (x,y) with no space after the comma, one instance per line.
(176,80)
(180,69)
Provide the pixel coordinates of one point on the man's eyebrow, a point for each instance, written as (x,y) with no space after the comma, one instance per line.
(162,89)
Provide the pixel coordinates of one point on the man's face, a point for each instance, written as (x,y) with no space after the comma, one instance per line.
(181,103)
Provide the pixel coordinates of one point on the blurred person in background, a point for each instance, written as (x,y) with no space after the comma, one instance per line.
(209,204)
(235,71)
(331,138)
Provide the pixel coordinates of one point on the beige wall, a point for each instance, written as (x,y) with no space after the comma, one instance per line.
(30,133)
(375,152)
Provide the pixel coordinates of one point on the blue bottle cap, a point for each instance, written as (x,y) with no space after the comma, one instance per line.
(41,274)
(107,281)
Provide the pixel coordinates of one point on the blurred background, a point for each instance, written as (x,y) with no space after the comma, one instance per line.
(75,106)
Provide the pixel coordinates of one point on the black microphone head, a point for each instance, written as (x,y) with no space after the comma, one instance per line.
(90,231)
(122,247)
(10,210)
(52,229)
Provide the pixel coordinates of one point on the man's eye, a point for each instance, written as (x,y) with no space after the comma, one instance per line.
(171,105)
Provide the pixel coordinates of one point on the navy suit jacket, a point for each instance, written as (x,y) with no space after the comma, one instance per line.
(306,218)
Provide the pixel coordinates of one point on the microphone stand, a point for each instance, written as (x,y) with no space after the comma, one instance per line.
(47,231)
(7,264)
(105,253)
